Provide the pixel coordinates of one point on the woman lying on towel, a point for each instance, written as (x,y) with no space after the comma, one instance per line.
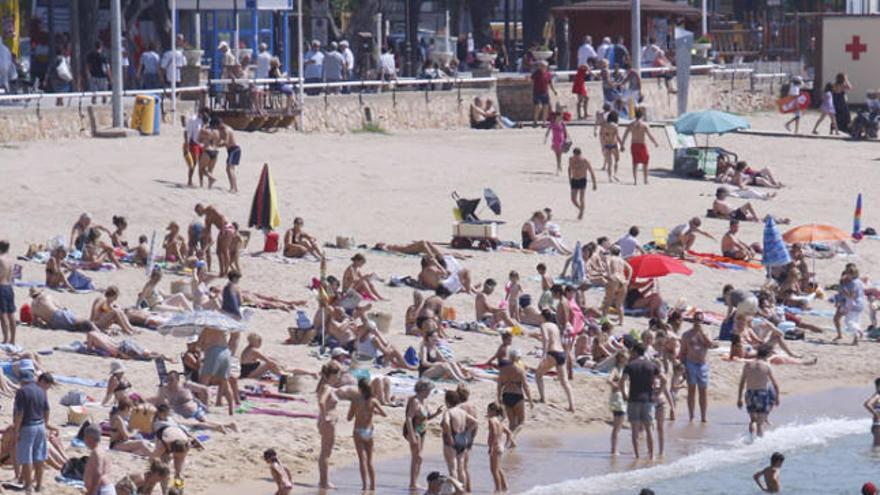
(152,298)
(434,364)
(55,458)
(738,353)
(740,175)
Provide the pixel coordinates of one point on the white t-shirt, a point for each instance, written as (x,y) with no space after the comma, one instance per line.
(628,245)
(585,53)
(386,62)
(264,59)
(150,62)
(794,89)
(314,70)
(349,59)
(172,69)
(193,127)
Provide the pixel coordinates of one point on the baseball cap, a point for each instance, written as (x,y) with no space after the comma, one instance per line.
(338,351)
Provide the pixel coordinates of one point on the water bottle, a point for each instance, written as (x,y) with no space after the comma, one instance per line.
(302,321)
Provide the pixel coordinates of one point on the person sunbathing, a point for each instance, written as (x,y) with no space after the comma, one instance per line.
(370,345)
(536,240)
(55,456)
(80,231)
(144,483)
(644,296)
(95,251)
(362,283)
(179,395)
(721,208)
(768,309)
(340,327)
(255,364)
(47,313)
(444,274)
(738,353)
(434,365)
(55,267)
(263,301)
(486,313)
(150,297)
(174,244)
(732,247)
(105,312)
(416,247)
(103,345)
(117,237)
(743,176)
(297,243)
(682,237)
(122,438)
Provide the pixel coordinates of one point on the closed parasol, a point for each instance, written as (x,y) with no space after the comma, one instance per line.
(264,208)
(193,322)
(812,232)
(775,252)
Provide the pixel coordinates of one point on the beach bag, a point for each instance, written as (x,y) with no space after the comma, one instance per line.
(25,315)
(271,244)
(75,468)
(73,398)
(566,145)
(290,384)
(382,320)
(302,321)
(726,332)
(77,415)
(64,73)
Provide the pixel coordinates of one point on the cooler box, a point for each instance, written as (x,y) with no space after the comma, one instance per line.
(481,230)
(146,114)
(271,244)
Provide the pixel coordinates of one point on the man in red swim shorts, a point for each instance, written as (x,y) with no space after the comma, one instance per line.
(639,149)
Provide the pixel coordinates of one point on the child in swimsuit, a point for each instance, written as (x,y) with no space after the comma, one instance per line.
(280,473)
(495,415)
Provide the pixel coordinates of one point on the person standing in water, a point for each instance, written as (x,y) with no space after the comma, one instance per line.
(7,296)
(756,379)
(578,168)
(770,474)
(640,397)
(873,407)
(554,358)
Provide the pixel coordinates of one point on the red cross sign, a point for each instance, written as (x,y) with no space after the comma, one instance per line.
(856,47)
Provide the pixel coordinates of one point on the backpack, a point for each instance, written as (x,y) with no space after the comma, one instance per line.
(75,468)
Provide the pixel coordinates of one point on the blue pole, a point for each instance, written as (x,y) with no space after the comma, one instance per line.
(255,24)
(286,30)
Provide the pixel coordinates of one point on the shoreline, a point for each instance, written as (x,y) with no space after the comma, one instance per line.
(588,445)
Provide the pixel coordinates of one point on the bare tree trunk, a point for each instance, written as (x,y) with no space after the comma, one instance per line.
(481,15)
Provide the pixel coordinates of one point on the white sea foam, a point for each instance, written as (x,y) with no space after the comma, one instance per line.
(784,439)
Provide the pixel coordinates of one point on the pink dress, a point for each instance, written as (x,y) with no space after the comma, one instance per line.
(557,127)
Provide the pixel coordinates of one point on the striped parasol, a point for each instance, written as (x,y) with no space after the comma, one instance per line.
(857,219)
(193,322)
(578,270)
(264,209)
(775,252)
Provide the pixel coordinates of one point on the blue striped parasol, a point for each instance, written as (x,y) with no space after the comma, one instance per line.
(578,270)
(775,252)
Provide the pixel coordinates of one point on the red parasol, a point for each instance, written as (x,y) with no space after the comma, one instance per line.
(656,265)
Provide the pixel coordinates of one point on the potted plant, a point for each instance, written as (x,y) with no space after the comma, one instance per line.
(193,57)
(486,56)
(704,43)
(543,53)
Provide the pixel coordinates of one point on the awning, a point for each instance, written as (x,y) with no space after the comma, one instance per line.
(648,6)
(233,4)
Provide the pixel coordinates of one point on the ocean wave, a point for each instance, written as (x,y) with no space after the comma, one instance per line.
(782,439)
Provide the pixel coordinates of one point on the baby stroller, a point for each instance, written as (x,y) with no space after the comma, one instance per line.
(469,232)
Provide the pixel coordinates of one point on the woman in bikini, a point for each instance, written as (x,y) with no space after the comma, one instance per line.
(662,402)
(744,176)
(362,409)
(55,267)
(360,282)
(370,344)
(122,438)
(188,400)
(534,241)
(297,243)
(415,425)
(433,365)
(172,441)
(154,299)
(105,312)
(327,402)
(513,387)
(117,237)
(118,386)
(145,483)
(616,402)
(174,244)
(95,252)
(255,364)
(80,231)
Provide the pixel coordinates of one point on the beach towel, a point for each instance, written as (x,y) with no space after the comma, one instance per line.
(660,235)
(80,282)
(721,262)
(75,380)
(250,408)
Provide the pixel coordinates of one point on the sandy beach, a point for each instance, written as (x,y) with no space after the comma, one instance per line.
(396,188)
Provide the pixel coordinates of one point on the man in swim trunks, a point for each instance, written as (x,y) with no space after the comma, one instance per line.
(639,148)
(192,148)
(640,397)
(756,379)
(47,313)
(97,471)
(722,209)
(7,296)
(609,139)
(225,234)
(682,237)
(554,357)
(233,150)
(732,247)
(695,345)
(489,315)
(578,167)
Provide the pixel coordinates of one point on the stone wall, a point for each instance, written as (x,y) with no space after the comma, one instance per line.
(439,109)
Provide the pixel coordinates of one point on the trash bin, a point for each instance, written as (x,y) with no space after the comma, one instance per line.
(146,115)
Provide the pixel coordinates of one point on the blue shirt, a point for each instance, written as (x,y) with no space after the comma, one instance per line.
(31,404)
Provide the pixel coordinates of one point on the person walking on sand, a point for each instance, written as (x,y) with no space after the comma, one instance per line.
(639,148)
(827,109)
(542,84)
(362,410)
(30,422)
(561,140)
(609,139)
(554,358)
(695,345)
(794,91)
(97,471)
(578,168)
(7,295)
(233,150)
(756,380)
(415,426)
(770,474)
(618,274)
(640,397)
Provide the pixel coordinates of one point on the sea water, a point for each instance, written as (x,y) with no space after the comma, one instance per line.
(823,456)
